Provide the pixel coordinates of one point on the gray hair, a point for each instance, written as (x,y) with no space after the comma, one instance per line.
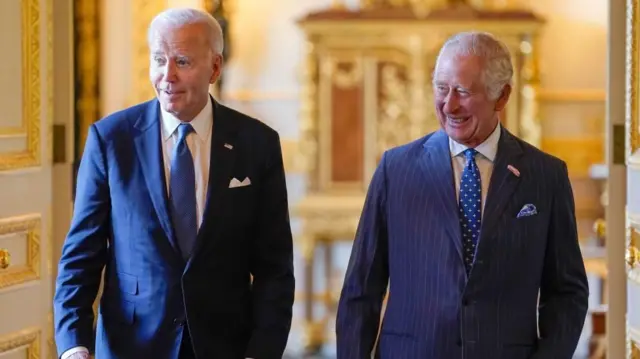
(497,69)
(178,17)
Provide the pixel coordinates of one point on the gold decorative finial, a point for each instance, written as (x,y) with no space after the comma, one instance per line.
(5,259)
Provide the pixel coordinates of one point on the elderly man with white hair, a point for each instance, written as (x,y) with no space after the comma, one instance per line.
(182,203)
(472,231)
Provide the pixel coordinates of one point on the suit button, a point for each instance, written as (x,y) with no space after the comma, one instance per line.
(465,302)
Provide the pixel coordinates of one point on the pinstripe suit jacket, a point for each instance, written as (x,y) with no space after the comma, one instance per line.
(409,239)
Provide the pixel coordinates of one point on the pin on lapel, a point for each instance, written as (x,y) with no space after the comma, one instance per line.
(228,146)
(513,170)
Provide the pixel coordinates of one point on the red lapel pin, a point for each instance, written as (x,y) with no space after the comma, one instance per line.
(513,170)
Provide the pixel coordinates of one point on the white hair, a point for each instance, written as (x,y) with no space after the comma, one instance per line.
(177,17)
(497,69)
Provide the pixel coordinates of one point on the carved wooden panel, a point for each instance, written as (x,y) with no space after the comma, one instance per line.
(347,125)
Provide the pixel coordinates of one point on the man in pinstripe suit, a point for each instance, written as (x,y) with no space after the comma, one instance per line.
(473,231)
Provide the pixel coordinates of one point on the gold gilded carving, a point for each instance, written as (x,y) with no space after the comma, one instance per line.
(143,12)
(31,105)
(530,129)
(30,225)
(632,256)
(633,342)
(344,73)
(49,81)
(307,160)
(87,67)
(5,258)
(394,107)
(28,338)
(632,82)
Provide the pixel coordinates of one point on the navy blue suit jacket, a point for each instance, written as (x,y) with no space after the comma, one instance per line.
(121,224)
(409,237)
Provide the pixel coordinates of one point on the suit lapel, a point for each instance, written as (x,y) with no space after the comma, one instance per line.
(149,150)
(503,182)
(223,155)
(435,161)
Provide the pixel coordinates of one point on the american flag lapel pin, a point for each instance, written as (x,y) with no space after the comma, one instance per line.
(513,170)
(228,146)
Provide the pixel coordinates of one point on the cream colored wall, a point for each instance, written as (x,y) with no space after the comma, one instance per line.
(573,49)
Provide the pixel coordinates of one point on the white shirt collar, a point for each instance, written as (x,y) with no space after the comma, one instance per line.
(488,148)
(201,123)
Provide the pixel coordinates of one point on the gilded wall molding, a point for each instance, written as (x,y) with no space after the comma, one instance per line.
(87,69)
(49,81)
(633,342)
(632,81)
(31,92)
(30,225)
(142,11)
(632,141)
(27,338)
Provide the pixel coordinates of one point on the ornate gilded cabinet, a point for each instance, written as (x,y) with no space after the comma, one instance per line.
(367,87)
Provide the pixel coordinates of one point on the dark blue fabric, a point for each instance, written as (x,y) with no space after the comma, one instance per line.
(470,207)
(182,189)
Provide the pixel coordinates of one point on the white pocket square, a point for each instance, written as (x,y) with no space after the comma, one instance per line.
(236,183)
(527,210)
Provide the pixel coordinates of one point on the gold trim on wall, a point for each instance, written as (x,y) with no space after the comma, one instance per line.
(31,92)
(49,81)
(31,225)
(632,81)
(86,31)
(27,338)
(633,342)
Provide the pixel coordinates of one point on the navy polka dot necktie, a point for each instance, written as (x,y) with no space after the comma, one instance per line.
(182,189)
(470,207)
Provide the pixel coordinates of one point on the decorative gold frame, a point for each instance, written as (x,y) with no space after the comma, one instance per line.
(632,152)
(632,131)
(633,343)
(31,225)
(29,338)
(31,93)
(87,68)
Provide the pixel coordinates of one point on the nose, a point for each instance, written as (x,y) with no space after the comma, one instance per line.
(170,72)
(451,103)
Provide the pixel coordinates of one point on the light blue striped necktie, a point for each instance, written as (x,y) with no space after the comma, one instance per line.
(182,190)
(470,207)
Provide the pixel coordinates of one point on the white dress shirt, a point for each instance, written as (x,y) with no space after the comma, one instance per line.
(484,160)
(199,143)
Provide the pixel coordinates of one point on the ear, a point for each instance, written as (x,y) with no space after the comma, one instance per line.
(501,103)
(216,64)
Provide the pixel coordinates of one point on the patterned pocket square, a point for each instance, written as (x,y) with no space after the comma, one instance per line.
(527,210)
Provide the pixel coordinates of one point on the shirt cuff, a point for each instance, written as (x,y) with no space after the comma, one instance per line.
(72,351)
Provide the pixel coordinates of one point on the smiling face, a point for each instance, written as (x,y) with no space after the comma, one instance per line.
(182,67)
(464,108)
